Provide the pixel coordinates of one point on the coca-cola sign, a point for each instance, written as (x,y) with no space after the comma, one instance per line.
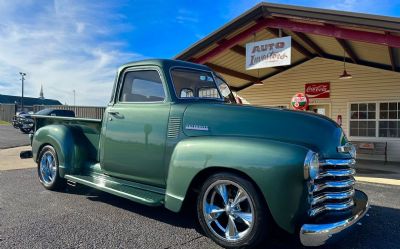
(318,90)
(299,101)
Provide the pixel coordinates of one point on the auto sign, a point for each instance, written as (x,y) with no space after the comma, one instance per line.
(300,101)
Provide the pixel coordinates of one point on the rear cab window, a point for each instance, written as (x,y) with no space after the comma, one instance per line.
(142,86)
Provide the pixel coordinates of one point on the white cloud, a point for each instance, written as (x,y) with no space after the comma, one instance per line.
(346,5)
(199,36)
(381,7)
(63,45)
(187,17)
(80,27)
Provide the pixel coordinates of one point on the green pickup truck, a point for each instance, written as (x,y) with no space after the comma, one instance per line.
(173,134)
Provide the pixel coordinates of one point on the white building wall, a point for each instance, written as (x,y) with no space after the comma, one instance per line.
(368,84)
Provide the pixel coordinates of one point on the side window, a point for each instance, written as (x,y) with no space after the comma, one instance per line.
(142,86)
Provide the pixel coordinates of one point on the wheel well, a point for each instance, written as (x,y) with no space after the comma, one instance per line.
(190,200)
(40,149)
(195,185)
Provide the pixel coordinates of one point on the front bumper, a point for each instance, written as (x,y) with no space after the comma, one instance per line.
(319,234)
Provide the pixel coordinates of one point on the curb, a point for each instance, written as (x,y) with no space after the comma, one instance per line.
(385,181)
(14,146)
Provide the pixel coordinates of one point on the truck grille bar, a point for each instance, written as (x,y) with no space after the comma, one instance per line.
(333,184)
(339,172)
(332,207)
(333,189)
(332,196)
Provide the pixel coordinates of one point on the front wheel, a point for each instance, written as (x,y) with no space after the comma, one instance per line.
(48,169)
(232,212)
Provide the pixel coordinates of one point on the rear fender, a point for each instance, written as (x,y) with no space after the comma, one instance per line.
(69,143)
(275,167)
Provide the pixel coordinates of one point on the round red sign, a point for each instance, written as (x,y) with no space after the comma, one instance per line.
(300,101)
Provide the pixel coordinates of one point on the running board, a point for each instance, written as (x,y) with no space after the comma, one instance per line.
(122,188)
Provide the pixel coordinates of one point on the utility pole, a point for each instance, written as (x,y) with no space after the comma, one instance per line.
(74,96)
(22,96)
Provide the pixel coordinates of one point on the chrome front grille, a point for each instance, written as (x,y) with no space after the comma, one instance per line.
(333,189)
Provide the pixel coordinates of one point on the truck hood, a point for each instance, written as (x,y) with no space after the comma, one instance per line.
(313,131)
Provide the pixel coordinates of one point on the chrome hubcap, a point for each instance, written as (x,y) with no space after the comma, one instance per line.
(228,210)
(47,168)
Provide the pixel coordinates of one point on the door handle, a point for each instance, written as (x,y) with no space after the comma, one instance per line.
(113,113)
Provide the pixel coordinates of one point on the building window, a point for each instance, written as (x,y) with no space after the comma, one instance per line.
(389,119)
(362,120)
(375,119)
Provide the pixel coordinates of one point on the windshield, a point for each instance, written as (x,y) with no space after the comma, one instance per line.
(194,84)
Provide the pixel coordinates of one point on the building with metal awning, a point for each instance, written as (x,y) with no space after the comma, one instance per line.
(353,58)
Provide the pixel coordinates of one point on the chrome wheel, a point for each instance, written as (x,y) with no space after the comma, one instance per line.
(228,210)
(47,168)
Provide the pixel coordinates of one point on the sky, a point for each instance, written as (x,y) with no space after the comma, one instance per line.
(68,45)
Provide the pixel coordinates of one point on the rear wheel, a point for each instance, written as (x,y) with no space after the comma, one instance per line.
(232,212)
(48,170)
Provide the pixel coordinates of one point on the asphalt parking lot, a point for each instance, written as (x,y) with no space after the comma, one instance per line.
(80,217)
(11,137)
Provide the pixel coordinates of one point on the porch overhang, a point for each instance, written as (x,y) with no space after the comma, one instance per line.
(368,40)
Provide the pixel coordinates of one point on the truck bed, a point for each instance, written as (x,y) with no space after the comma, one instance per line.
(87,131)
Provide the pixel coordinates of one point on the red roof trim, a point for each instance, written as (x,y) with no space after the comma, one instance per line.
(324,30)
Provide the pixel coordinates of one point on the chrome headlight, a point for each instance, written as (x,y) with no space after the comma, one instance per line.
(311,165)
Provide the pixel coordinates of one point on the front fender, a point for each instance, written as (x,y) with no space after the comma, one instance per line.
(72,155)
(275,167)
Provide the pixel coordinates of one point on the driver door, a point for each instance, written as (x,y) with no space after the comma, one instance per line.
(135,136)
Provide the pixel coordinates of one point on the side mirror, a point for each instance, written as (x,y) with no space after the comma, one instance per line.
(224,89)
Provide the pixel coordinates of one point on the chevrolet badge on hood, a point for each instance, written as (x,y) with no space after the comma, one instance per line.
(196,127)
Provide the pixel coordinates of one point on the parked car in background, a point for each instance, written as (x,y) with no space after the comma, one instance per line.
(26,124)
(15,120)
(19,119)
(56,112)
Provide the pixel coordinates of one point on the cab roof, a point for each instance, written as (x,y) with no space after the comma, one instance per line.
(165,64)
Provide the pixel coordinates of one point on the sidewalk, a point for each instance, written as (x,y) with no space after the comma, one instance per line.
(9,159)
(378,172)
(368,168)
